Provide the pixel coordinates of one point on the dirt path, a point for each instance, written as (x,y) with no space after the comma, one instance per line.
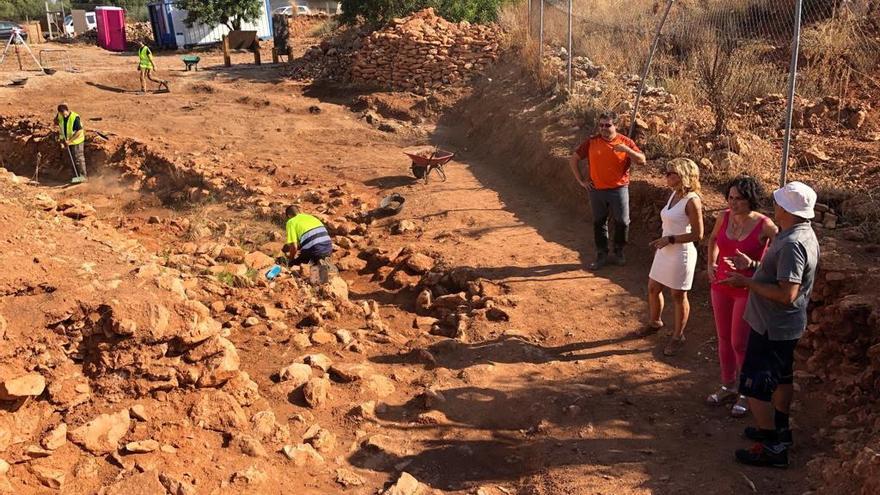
(602,411)
(560,399)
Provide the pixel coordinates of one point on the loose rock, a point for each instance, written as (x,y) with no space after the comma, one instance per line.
(297,373)
(55,438)
(249,445)
(316,392)
(29,385)
(52,478)
(142,446)
(347,372)
(219,411)
(303,455)
(406,485)
(318,361)
(139,412)
(102,434)
(347,477)
(420,263)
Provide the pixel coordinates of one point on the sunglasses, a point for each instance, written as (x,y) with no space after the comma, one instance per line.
(606,126)
(670,172)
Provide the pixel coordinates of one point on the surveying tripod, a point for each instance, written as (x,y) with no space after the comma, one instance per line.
(16,39)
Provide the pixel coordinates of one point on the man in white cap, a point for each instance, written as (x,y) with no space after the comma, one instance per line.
(777,313)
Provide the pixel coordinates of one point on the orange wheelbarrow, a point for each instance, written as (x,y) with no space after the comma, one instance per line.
(422,165)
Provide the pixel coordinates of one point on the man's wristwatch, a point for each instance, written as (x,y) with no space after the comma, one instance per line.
(671,239)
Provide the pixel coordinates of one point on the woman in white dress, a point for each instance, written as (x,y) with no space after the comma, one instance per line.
(676,255)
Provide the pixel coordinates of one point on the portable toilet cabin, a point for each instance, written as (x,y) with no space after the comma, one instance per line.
(111,28)
(171,32)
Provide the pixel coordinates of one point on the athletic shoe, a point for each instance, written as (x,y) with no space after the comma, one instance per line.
(785,437)
(619,258)
(763,455)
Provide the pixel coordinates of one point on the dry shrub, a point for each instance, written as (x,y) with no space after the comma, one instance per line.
(761,160)
(613,33)
(864,212)
(514,19)
(834,50)
(730,70)
(666,146)
(586,108)
(325,28)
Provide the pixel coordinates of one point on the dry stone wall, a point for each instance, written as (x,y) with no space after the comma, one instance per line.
(424,51)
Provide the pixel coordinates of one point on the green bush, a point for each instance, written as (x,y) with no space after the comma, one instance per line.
(383,11)
(20,10)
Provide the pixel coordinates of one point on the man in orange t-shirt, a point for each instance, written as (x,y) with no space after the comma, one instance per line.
(609,156)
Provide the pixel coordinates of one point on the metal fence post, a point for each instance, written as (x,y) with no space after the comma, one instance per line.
(570,52)
(792,80)
(541,35)
(529,19)
(632,125)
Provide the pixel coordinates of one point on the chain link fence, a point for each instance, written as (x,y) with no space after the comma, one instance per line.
(716,53)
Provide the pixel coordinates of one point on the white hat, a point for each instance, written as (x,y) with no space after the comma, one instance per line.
(796,198)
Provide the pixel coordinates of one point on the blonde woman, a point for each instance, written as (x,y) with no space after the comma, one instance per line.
(676,255)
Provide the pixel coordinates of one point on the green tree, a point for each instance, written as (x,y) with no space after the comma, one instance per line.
(231,13)
(134,9)
(20,10)
(383,11)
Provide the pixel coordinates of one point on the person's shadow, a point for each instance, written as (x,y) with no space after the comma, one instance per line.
(114,89)
(454,354)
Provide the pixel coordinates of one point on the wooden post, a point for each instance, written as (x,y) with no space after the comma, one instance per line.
(275,56)
(227,61)
(256,49)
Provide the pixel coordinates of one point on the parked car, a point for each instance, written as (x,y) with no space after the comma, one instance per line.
(300,10)
(91,23)
(6,28)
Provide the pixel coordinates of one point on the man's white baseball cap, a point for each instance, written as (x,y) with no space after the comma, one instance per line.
(796,198)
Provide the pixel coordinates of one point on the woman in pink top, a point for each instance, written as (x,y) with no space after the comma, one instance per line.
(737,244)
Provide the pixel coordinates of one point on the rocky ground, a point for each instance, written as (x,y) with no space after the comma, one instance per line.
(461,349)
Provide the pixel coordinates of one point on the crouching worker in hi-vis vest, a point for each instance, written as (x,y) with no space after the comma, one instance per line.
(72,135)
(146,66)
(308,242)
(307,239)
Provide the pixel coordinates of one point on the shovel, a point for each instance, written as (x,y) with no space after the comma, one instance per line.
(77,179)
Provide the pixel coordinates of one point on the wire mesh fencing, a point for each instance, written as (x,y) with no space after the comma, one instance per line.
(716,54)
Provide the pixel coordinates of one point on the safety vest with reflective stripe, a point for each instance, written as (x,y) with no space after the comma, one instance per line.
(305,232)
(68,131)
(144,55)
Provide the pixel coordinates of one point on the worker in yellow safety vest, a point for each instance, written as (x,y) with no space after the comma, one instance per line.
(307,239)
(146,66)
(72,135)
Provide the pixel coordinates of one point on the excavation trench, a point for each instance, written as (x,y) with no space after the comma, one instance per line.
(30,149)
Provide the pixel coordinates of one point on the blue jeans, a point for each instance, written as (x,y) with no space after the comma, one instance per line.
(616,203)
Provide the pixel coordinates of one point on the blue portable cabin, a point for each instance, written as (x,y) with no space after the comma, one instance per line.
(170,32)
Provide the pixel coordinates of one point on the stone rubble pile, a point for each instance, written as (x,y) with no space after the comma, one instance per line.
(138,31)
(841,349)
(299,26)
(331,59)
(448,300)
(424,52)
(817,114)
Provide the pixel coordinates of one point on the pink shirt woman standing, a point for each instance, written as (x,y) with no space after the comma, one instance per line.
(737,244)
